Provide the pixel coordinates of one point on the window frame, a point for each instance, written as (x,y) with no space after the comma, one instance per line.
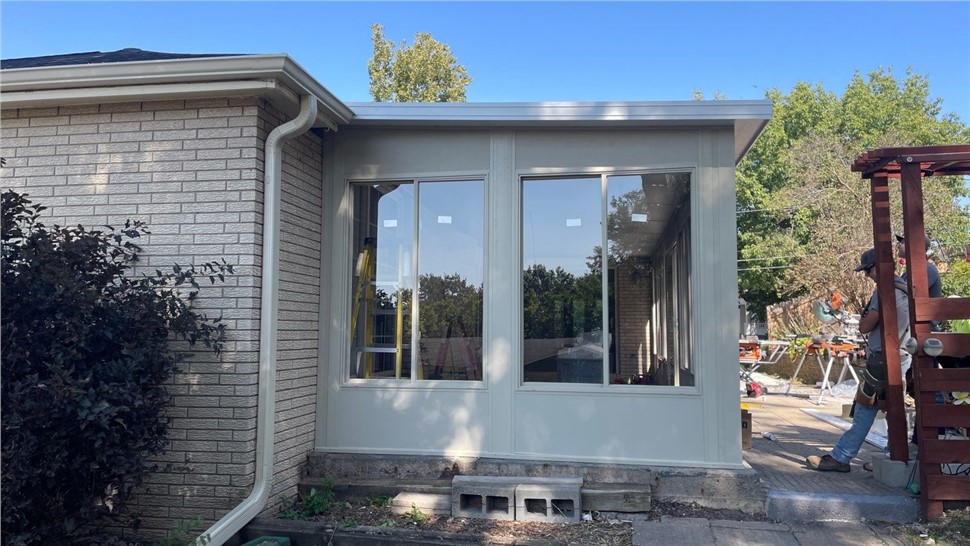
(517,356)
(346,346)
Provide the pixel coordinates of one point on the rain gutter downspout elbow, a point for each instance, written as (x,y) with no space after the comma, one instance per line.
(231,523)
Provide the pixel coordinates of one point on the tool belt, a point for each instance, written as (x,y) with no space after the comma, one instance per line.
(872,388)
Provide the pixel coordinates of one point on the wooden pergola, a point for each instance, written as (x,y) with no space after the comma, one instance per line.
(910,165)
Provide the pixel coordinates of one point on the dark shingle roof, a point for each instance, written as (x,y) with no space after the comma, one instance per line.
(97,57)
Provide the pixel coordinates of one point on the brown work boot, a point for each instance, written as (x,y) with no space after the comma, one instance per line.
(826,464)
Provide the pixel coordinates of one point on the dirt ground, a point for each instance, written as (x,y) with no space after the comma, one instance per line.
(597,530)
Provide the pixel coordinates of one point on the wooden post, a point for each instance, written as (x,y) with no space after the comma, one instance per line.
(885,274)
(911,180)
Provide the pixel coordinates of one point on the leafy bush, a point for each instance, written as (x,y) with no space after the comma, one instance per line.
(314,503)
(181,535)
(86,350)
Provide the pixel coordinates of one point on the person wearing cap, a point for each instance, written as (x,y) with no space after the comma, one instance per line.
(933,280)
(872,388)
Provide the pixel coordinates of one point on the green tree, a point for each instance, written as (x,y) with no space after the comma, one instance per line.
(803,216)
(448,298)
(425,71)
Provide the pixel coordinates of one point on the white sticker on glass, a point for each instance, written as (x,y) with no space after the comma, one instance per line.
(638,217)
(574,222)
(444,219)
(390,223)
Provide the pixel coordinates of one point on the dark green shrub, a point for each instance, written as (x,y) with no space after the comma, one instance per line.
(86,349)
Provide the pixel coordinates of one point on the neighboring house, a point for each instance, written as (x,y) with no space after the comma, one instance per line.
(519,346)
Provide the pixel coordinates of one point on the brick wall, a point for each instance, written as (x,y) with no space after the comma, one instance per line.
(193,170)
(300,243)
(633,314)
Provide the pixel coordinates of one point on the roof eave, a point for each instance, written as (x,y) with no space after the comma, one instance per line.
(748,118)
(134,74)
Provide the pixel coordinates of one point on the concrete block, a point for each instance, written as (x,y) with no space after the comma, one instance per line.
(549,500)
(628,498)
(427,503)
(894,473)
(483,497)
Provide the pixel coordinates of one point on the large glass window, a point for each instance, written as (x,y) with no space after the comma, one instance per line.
(441,256)
(562,287)
(646,282)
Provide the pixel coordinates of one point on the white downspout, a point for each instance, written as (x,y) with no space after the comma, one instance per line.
(231,523)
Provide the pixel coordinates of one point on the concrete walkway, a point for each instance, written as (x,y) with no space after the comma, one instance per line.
(807,507)
(699,531)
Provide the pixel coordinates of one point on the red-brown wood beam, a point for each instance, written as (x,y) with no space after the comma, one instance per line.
(946,415)
(951,379)
(942,308)
(934,451)
(885,273)
(949,488)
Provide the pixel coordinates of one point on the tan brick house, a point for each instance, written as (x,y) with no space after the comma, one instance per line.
(520,345)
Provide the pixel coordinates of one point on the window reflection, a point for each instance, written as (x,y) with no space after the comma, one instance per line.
(451,255)
(447,247)
(561,284)
(647,279)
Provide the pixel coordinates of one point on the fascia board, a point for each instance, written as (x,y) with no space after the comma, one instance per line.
(748,118)
(569,112)
(178,71)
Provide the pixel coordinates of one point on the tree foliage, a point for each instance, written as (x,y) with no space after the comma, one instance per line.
(446,299)
(803,216)
(425,71)
(557,304)
(87,348)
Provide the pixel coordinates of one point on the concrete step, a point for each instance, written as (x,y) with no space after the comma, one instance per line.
(790,506)
(363,489)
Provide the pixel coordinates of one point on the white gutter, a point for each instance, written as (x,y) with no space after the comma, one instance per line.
(158,91)
(231,523)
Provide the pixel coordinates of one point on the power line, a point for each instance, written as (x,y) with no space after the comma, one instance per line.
(767,210)
(766,267)
(774,258)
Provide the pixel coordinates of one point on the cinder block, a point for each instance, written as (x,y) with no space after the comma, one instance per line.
(556,502)
(894,473)
(484,497)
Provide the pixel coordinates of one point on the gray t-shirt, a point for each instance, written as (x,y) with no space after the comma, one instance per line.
(933,281)
(874,339)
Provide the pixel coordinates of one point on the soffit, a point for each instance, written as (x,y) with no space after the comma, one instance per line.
(748,118)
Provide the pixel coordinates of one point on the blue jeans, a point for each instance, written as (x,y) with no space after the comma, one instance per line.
(851,442)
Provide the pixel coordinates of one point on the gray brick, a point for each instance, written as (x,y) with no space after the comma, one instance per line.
(119,127)
(134,136)
(206,123)
(114,147)
(38,112)
(90,118)
(185,134)
(76,129)
(121,107)
(160,146)
(49,140)
(48,160)
(219,175)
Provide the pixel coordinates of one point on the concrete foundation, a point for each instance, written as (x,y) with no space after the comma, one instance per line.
(621,487)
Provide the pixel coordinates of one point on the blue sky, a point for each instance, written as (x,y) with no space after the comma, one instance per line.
(544,51)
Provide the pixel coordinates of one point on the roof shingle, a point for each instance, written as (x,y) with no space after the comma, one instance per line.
(96,57)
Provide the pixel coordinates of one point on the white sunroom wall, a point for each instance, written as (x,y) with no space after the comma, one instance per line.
(501,417)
